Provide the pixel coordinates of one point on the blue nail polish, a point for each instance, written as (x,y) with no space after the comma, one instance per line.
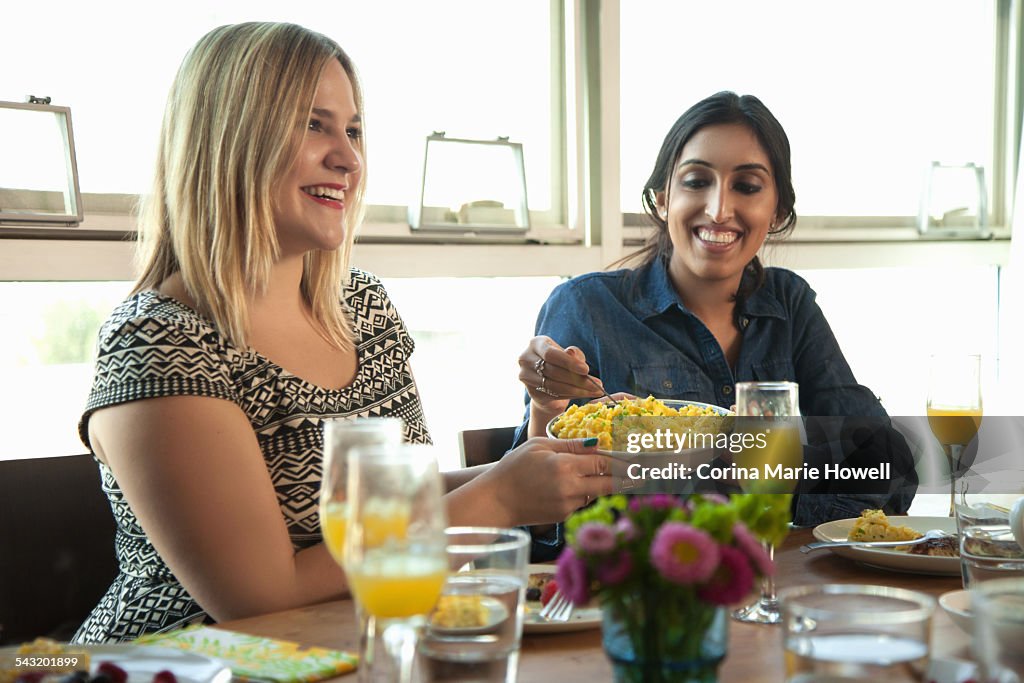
(590,441)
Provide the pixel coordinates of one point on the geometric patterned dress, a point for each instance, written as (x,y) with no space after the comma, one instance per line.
(154,346)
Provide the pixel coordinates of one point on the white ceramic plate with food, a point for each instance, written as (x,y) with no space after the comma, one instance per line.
(889,558)
(671,403)
(583,618)
(142,662)
(494,612)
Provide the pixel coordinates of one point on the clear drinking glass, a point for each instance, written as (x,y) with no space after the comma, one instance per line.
(475,633)
(852,632)
(341,435)
(989,552)
(954,409)
(395,554)
(998,607)
(771,412)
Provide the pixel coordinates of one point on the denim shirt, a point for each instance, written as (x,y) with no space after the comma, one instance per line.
(638,337)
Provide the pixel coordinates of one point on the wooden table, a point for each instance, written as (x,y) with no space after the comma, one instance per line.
(755,652)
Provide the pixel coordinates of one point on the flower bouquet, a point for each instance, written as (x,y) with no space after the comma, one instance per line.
(664,568)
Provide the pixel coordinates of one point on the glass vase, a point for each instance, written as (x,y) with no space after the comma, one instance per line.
(653,641)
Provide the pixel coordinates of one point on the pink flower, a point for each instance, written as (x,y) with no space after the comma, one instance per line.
(616,571)
(594,538)
(625,528)
(731,581)
(755,552)
(715,498)
(683,554)
(655,501)
(571,577)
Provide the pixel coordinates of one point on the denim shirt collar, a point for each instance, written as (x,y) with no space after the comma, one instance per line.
(659,295)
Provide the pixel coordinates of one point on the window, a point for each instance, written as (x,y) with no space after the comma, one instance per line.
(47,360)
(870,93)
(469,333)
(473,69)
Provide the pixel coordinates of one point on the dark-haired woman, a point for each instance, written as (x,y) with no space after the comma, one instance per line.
(699,312)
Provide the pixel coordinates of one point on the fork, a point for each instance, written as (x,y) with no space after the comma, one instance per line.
(559,608)
(928,535)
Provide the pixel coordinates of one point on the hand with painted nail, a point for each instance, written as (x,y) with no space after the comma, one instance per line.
(545,480)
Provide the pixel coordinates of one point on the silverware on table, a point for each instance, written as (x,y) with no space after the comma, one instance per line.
(928,535)
(559,608)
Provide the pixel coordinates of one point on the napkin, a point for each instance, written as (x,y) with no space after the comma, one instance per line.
(258,658)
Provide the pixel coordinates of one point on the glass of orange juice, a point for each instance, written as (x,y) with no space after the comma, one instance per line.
(395,549)
(341,435)
(954,409)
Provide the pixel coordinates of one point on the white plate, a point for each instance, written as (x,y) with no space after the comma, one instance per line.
(887,558)
(142,662)
(496,613)
(583,618)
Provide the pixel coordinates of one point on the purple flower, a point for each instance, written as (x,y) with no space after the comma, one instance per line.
(616,570)
(571,577)
(683,554)
(755,552)
(656,501)
(626,529)
(731,581)
(594,538)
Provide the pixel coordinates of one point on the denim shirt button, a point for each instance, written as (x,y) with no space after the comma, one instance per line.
(744,321)
(727,390)
(666,384)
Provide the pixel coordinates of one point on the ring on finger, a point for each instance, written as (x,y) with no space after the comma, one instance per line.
(539,367)
(543,388)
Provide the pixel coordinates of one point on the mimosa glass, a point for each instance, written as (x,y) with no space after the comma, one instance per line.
(395,555)
(771,412)
(954,409)
(341,435)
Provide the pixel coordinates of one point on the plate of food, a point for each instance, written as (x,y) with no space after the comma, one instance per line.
(467,615)
(119,663)
(938,556)
(601,419)
(539,589)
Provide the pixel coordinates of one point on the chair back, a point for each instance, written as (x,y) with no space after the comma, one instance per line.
(483,446)
(56,546)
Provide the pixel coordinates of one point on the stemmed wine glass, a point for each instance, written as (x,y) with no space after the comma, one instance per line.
(395,548)
(954,409)
(341,435)
(771,412)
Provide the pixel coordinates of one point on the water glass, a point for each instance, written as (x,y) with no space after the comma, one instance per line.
(998,607)
(976,511)
(853,632)
(989,552)
(475,633)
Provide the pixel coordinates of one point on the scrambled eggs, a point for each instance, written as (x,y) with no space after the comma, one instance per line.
(460,611)
(873,525)
(596,419)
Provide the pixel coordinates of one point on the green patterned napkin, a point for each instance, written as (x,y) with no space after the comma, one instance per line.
(257,658)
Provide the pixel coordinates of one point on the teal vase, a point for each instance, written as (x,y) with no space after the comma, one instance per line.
(652,641)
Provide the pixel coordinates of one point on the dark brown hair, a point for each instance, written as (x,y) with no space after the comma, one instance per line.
(721,108)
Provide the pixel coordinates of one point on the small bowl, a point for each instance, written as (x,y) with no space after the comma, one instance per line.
(957,605)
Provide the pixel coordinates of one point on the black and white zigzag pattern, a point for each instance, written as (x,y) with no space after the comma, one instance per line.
(154,346)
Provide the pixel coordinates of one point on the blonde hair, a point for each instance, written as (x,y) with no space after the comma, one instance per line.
(229,134)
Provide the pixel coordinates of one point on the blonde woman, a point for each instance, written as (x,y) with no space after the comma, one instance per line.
(245,330)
